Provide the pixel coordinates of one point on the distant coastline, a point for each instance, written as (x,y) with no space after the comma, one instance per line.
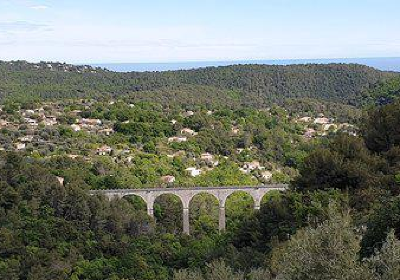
(384,64)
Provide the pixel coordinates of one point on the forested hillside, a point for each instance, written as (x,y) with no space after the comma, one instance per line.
(251,85)
(335,82)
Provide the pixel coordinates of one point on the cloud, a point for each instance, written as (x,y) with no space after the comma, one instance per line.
(20,26)
(39,7)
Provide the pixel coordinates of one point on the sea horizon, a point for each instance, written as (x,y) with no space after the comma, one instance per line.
(381,63)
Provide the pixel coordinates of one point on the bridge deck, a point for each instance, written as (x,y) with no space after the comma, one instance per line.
(270,186)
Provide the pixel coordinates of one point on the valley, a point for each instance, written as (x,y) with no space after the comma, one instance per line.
(197,174)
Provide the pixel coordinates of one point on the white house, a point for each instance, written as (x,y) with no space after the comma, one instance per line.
(50,121)
(252,165)
(104,150)
(20,146)
(73,156)
(207,157)
(194,172)
(305,119)
(321,120)
(28,113)
(235,130)
(187,114)
(27,138)
(60,180)
(3,123)
(329,126)
(90,121)
(310,133)
(107,131)
(76,127)
(188,131)
(266,175)
(177,139)
(76,112)
(31,122)
(245,171)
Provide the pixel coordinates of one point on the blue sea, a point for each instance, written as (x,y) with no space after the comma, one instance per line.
(385,64)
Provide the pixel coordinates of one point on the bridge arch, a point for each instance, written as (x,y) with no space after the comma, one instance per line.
(204,203)
(269,195)
(246,193)
(167,208)
(137,201)
(203,192)
(238,205)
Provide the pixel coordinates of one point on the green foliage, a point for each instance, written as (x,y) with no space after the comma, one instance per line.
(282,215)
(185,274)
(329,251)
(238,207)
(386,92)
(204,214)
(142,132)
(225,174)
(386,218)
(345,164)
(168,214)
(259,274)
(216,270)
(381,127)
(386,262)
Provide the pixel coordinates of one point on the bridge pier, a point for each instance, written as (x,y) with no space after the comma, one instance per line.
(186,224)
(150,206)
(222,217)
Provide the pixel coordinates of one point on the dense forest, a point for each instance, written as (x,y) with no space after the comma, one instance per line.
(338,220)
(339,87)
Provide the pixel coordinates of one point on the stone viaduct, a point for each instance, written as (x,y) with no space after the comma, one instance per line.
(186,195)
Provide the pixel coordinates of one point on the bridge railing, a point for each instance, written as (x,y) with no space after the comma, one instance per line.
(177,188)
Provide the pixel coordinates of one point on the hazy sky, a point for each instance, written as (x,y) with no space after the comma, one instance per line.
(100,31)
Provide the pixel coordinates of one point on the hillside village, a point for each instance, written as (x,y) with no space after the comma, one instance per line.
(52,66)
(69,129)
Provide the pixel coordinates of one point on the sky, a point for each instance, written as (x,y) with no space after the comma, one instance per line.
(141,31)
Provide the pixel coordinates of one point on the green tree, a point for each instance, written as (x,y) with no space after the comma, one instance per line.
(380,128)
(329,251)
(379,225)
(386,262)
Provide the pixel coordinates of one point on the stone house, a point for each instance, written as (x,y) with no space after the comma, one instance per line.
(188,131)
(104,150)
(168,179)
